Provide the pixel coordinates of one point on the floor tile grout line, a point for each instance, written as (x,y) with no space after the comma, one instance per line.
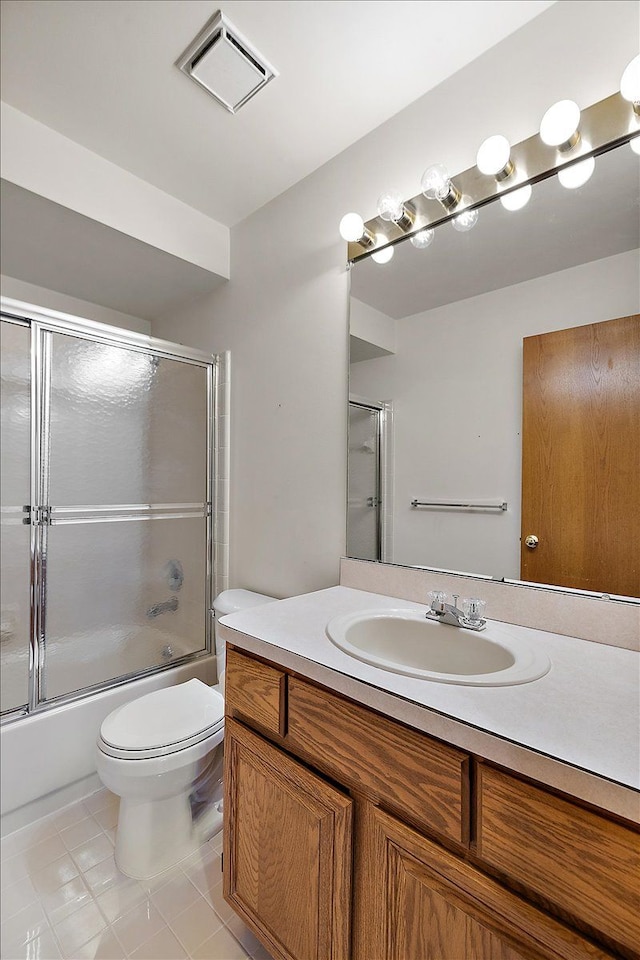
(50,922)
(175,933)
(109,926)
(34,937)
(181,871)
(78,945)
(50,817)
(71,913)
(159,909)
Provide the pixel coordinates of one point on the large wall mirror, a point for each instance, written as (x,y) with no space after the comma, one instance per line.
(495,391)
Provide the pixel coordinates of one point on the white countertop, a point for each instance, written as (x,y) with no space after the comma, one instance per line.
(579,725)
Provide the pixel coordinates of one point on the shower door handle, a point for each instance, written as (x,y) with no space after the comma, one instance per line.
(373,501)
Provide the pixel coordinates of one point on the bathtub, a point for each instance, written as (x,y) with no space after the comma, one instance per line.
(47,759)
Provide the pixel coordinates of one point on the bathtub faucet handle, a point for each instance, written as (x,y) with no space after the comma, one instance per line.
(158,608)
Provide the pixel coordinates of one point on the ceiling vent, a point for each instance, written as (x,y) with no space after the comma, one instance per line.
(222,61)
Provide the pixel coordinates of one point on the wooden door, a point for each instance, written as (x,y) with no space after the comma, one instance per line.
(417,901)
(581,457)
(287,851)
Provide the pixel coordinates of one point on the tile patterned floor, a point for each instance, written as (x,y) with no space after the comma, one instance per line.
(63,897)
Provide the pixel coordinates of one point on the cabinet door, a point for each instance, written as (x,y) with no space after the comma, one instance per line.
(417,900)
(287,851)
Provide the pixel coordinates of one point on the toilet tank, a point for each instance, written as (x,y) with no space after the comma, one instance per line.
(230,601)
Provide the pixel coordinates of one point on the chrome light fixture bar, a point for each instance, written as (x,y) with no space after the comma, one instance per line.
(603,126)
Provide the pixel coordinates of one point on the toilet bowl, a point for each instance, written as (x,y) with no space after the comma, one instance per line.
(150,753)
(162,754)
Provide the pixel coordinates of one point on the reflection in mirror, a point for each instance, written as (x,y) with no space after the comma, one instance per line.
(437,334)
(364,495)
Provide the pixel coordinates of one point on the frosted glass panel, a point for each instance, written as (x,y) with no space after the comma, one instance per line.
(178,433)
(126,427)
(15,447)
(122,597)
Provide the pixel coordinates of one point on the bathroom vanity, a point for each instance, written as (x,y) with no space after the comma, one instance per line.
(371,816)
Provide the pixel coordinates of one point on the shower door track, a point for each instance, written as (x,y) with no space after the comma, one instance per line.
(39,515)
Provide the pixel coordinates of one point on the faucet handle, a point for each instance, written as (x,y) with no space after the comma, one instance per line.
(438,600)
(473,608)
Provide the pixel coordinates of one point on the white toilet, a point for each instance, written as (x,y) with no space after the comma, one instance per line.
(232,601)
(155,752)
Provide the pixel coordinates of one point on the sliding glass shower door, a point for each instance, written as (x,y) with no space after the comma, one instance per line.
(121,511)
(15,484)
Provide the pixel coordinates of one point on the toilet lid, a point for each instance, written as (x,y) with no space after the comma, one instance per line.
(164,718)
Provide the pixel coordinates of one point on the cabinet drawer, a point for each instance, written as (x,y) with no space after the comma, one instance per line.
(586,865)
(421,778)
(255,691)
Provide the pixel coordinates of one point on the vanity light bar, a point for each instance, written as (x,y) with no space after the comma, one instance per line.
(604,125)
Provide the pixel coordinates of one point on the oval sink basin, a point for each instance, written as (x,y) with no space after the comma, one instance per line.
(405,641)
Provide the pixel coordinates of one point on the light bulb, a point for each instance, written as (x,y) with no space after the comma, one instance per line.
(384,255)
(465,220)
(635,145)
(630,83)
(390,205)
(422,239)
(494,157)
(518,199)
(351,227)
(577,174)
(435,182)
(559,126)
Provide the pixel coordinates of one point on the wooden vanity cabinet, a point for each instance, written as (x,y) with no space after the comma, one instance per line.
(256,690)
(585,864)
(287,850)
(350,835)
(419,901)
(424,780)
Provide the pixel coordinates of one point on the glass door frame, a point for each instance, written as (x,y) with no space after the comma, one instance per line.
(42,321)
(382,411)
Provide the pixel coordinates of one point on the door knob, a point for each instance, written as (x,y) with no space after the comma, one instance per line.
(531,541)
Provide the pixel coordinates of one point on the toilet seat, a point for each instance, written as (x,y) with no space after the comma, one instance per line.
(163,722)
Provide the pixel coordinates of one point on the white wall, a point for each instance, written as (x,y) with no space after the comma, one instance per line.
(284,313)
(52,300)
(457,424)
(371,332)
(45,162)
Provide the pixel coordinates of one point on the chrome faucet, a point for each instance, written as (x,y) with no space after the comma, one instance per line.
(467,615)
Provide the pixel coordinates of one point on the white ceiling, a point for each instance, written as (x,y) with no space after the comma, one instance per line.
(102,72)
